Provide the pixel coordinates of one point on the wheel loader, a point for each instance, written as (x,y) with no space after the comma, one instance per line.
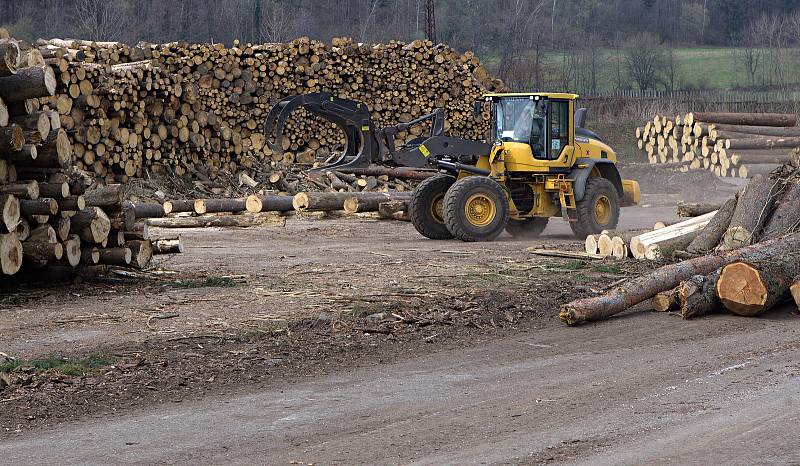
(538,162)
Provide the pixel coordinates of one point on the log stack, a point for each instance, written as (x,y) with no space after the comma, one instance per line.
(199,109)
(745,259)
(738,145)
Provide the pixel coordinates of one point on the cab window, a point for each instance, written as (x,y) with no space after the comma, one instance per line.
(559,127)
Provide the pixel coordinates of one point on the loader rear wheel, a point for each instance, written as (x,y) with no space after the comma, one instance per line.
(426,207)
(598,210)
(476,209)
(527,228)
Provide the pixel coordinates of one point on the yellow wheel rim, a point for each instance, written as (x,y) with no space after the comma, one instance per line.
(437,208)
(480,210)
(602,210)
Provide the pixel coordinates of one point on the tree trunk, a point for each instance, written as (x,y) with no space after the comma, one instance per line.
(760,130)
(28,83)
(646,286)
(256,203)
(688,210)
(43,233)
(750,288)
(9,57)
(115,256)
(786,215)
(665,301)
(204,206)
(752,210)
(709,238)
(739,157)
(90,255)
(369,202)
(243,221)
(750,119)
(394,210)
(72,203)
(54,190)
(61,225)
(55,152)
(37,122)
(174,207)
(72,250)
(697,296)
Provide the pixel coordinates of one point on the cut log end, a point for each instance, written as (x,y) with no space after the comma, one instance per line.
(742,289)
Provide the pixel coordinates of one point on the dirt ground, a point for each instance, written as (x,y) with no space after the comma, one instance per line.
(267,311)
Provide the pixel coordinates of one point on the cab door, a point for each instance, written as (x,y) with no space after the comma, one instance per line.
(560,143)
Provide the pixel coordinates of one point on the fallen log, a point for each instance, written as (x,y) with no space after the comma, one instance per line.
(785,217)
(369,202)
(28,83)
(40,206)
(91,224)
(174,207)
(167,246)
(90,255)
(760,130)
(751,170)
(665,301)
(108,197)
(242,221)
(395,210)
(752,210)
(646,286)
(141,210)
(12,139)
(22,190)
(211,206)
(258,203)
(711,235)
(141,253)
(688,210)
(749,288)
(749,119)
(762,143)
(115,256)
(404,173)
(42,252)
(697,296)
(72,250)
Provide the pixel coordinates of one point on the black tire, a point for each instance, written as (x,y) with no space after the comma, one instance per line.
(489,204)
(426,217)
(591,219)
(527,228)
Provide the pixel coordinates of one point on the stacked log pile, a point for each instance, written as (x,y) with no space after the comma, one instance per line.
(199,109)
(49,217)
(745,260)
(739,145)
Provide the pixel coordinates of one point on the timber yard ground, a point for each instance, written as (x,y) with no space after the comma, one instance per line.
(350,341)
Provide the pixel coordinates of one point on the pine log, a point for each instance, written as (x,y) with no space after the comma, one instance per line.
(591,244)
(369,202)
(665,278)
(258,203)
(141,251)
(688,210)
(43,233)
(10,213)
(72,250)
(711,235)
(42,252)
(115,256)
(12,139)
(40,206)
(404,173)
(752,210)
(785,217)
(90,255)
(4,114)
(54,190)
(174,207)
(665,301)
(141,210)
(124,219)
(760,130)
(25,155)
(750,119)
(697,296)
(28,83)
(167,246)
(394,210)
(91,224)
(750,288)
(54,152)
(10,254)
(72,203)
(204,206)
(107,197)
(9,57)
(751,170)
(38,122)
(61,225)
(739,157)
(22,190)
(762,143)
(242,221)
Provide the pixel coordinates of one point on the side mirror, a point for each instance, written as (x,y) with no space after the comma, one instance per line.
(477,107)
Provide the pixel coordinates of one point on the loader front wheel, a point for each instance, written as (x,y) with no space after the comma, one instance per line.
(476,209)
(598,210)
(426,207)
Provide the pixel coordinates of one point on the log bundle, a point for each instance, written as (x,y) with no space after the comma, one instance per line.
(737,145)
(745,259)
(199,109)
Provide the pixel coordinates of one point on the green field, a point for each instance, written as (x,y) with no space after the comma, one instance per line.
(709,68)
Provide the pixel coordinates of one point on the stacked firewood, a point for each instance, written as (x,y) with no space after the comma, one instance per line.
(49,216)
(738,145)
(745,259)
(200,109)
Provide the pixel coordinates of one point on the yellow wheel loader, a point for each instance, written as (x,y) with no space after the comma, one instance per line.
(539,162)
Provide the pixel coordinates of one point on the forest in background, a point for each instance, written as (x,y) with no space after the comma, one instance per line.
(588,46)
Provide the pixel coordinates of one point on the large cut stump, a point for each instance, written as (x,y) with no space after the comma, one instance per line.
(751,288)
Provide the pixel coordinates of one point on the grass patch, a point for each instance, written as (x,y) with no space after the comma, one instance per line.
(210,282)
(60,364)
(611,269)
(574,265)
(581,278)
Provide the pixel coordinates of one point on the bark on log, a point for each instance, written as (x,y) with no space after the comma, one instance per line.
(61,225)
(174,207)
(167,246)
(243,221)
(395,210)
(91,224)
(22,190)
(711,235)
(23,229)
(28,83)
(37,122)
(760,130)
(257,203)
(645,287)
(751,170)
(107,197)
(142,253)
(319,202)
(752,210)
(24,155)
(42,252)
(9,57)
(404,173)
(369,202)
(210,206)
(148,210)
(40,206)
(72,203)
(90,255)
(749,119)
(115,256)
(738,157)
(54,152)
(786,215)
(10,254)
(688,210)
(750,288)
(697,296)
(54,190)
(43,233)
(11,139)
(762,143)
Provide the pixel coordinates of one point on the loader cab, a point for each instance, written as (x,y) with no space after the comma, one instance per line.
(540,123)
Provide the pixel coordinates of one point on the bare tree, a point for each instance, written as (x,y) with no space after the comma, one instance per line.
(277,23)
(645,60)
(101,19)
